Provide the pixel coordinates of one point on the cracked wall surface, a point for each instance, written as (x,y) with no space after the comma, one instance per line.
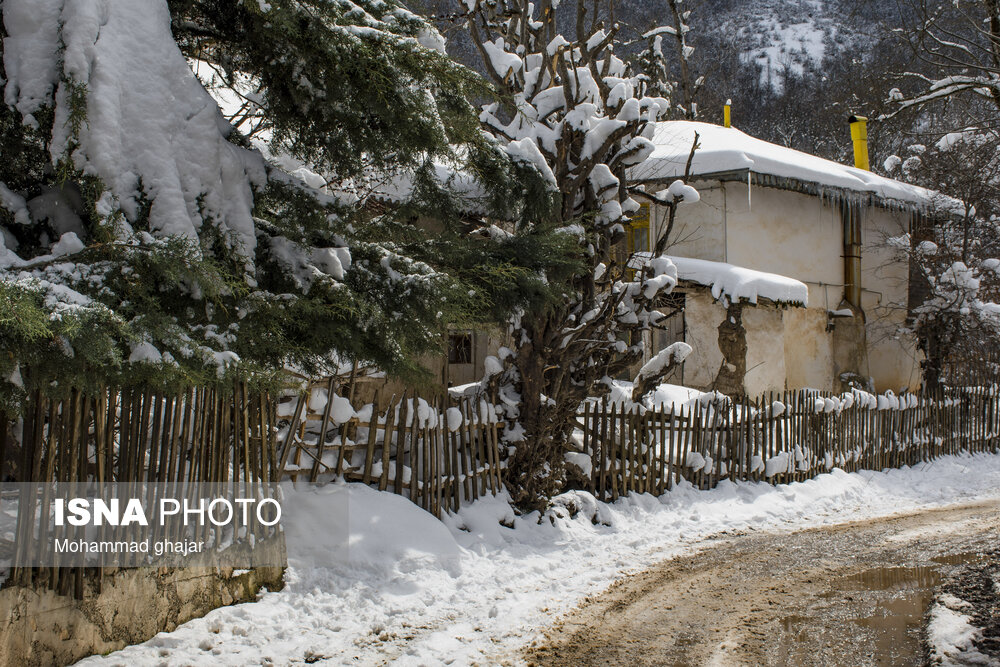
(39,627)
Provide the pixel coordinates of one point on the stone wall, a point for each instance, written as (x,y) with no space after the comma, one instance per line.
(39,627)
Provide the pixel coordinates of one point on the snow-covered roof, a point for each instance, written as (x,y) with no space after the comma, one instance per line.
(726,150)
(735,283)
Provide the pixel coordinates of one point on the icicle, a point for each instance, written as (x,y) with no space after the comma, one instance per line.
(749,190)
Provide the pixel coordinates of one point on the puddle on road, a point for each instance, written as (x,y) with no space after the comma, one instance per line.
(901,597)
(898,617)
(964,558)
(889,579)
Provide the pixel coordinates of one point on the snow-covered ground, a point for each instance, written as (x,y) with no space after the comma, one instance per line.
(416,591)
(950,633)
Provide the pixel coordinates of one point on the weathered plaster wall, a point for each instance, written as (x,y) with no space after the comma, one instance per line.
(781,232)
(765,334)
(801,236)
(808,350)
(38,627)
(702,319)
(699,229)
(758,335)
(893,361)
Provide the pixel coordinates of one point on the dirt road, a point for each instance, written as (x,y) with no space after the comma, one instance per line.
(853,594)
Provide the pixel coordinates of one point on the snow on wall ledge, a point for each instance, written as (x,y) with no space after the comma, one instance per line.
(724,149)
(735,283)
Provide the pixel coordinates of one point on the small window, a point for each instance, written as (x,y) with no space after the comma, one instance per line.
(460,348)
(671,303)
(637,231)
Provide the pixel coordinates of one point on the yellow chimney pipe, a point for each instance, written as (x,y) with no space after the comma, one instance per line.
(727,114)
(859,135)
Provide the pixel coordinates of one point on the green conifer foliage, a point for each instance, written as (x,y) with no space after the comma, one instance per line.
(106,278)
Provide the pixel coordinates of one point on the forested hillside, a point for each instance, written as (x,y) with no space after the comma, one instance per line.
(794,69)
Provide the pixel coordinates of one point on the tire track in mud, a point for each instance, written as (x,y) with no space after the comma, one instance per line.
(853,594)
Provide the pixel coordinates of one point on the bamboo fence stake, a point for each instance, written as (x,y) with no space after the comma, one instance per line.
(331,388)
(370,446)
(401,415)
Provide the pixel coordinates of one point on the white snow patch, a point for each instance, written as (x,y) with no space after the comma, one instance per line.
(735,283)
(951,635)
(674,353)
(727,149)
(580,460)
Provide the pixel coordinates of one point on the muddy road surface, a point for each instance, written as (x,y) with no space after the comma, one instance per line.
(852,595)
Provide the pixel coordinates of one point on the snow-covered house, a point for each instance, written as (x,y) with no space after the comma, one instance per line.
(787,279)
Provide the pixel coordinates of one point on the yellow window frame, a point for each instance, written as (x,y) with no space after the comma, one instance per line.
(638,224)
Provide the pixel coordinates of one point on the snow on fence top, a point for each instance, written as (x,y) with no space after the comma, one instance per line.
(735,283)
(727,150)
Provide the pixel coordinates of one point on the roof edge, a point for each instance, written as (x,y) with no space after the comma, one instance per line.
(788,183)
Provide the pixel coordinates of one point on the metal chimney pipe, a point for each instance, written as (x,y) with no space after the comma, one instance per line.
(859,135)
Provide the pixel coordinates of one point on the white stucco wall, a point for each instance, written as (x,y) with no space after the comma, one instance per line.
(778,231)
(699,229)
(801,236)
(784,232)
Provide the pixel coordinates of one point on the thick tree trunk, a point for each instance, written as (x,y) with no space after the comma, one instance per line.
(933,365)
(536,471)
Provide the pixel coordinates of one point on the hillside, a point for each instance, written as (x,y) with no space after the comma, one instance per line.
(794,69)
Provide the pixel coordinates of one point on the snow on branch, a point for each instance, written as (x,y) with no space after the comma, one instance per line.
(654,370)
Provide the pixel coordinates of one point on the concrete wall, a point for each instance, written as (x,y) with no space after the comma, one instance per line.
(38,627)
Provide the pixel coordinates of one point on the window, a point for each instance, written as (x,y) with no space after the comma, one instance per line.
(671,329)
(460,348)
(637,231)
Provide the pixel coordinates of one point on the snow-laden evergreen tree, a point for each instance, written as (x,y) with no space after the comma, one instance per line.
(573,109)
(146,236)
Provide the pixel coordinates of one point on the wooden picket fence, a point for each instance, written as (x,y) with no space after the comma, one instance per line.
(445,451)
(116,435)
(438,452)
(779,438)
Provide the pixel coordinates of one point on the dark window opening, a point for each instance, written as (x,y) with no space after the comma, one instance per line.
(460,349)
(670,304)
